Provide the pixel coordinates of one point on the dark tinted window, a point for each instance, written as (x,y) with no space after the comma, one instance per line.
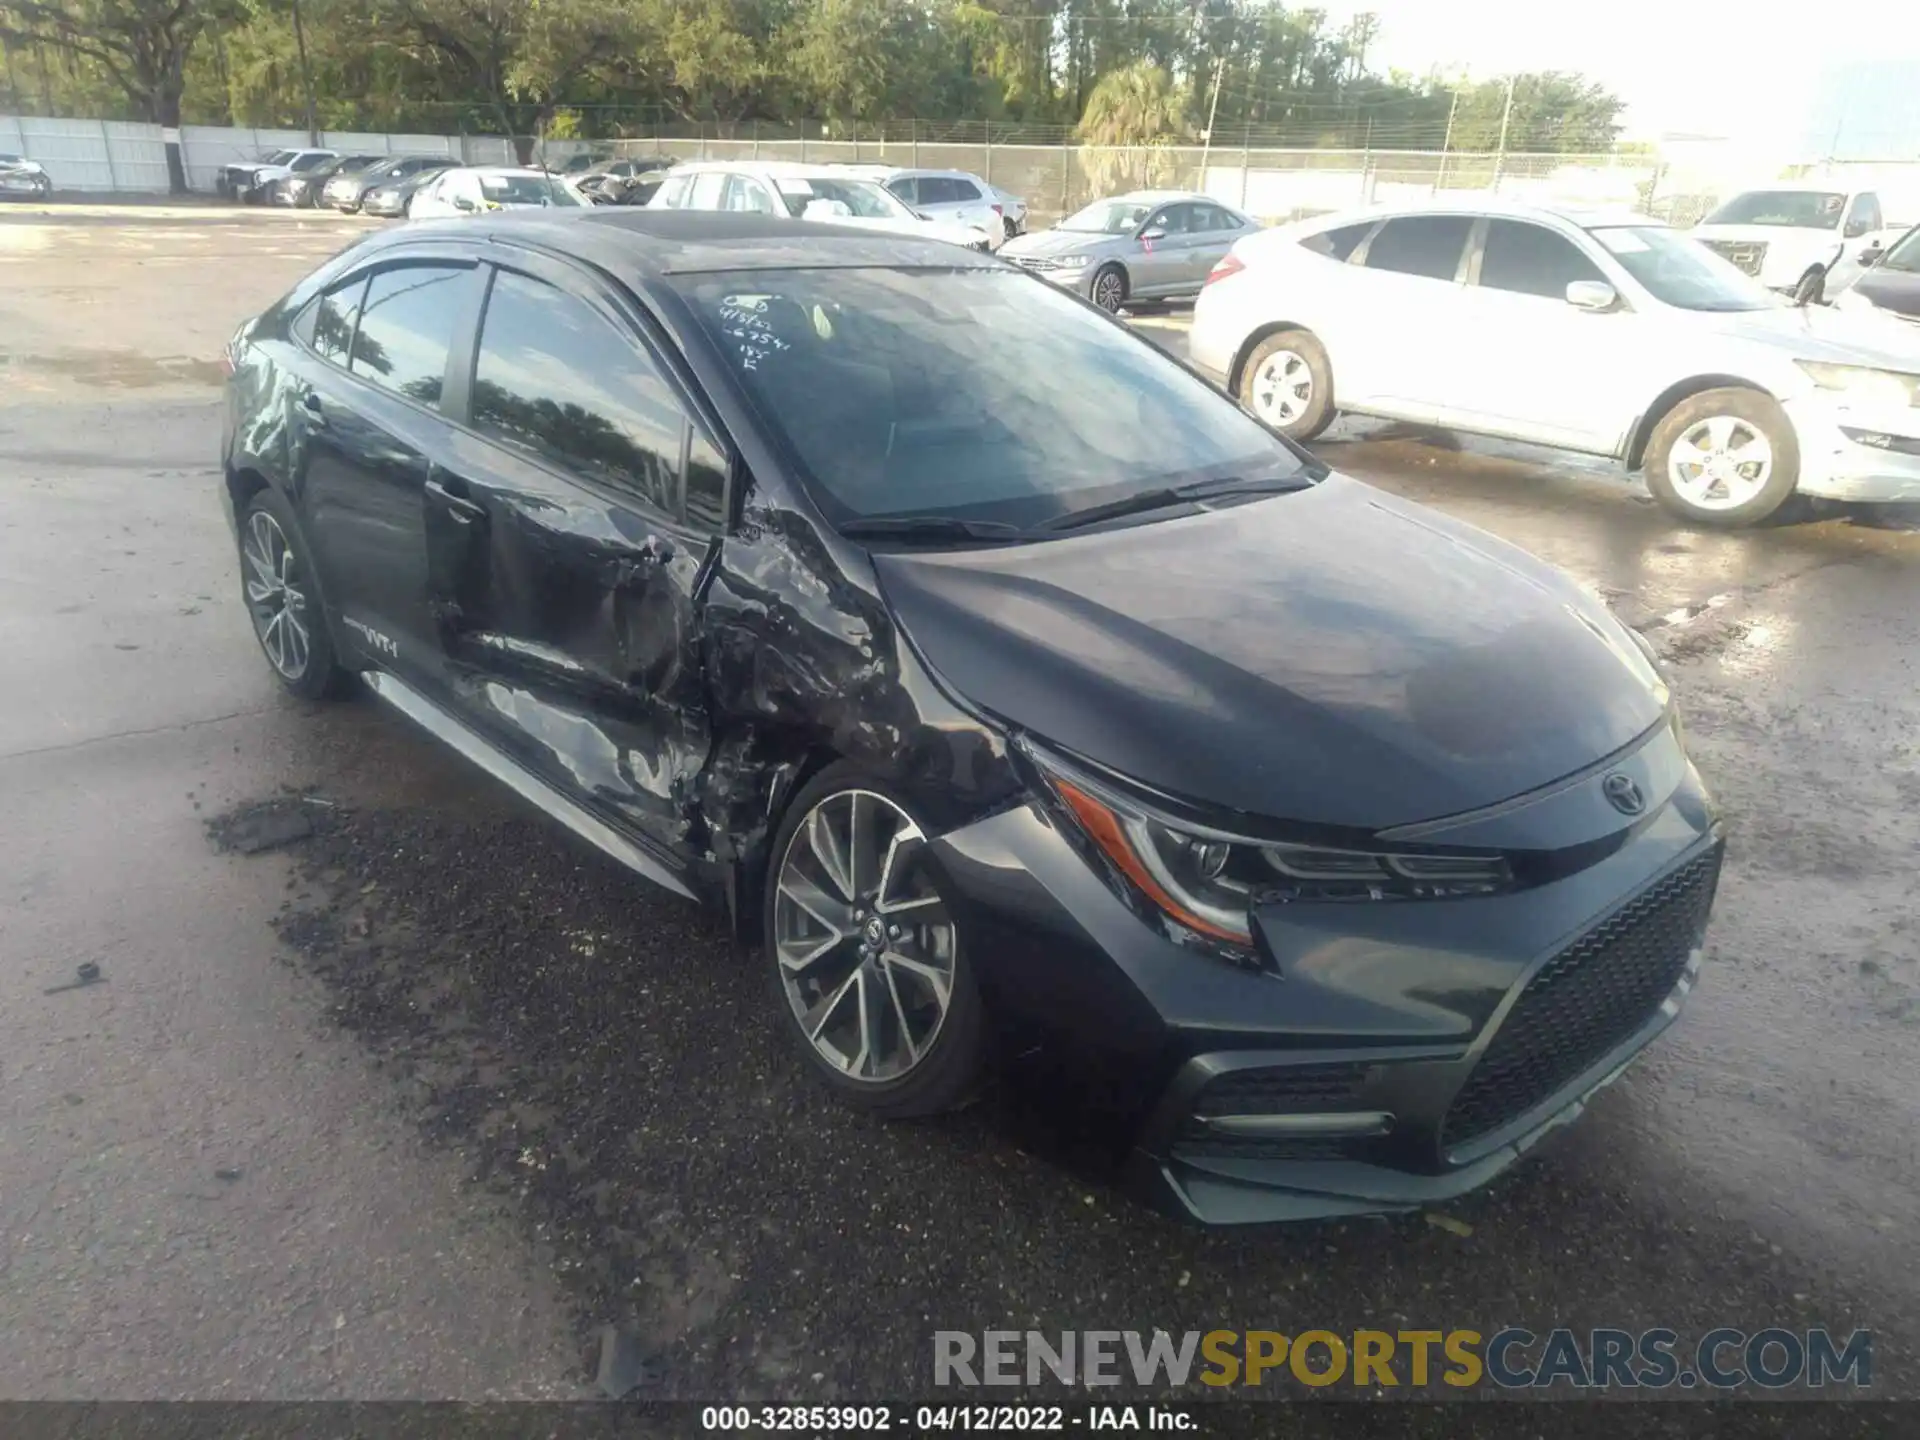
(938,190)
(964,189)
(311,162)
(328,325)
(1338,244)
(1532,260)
(556,379)
(904,189)
(1428,245)
(406,322)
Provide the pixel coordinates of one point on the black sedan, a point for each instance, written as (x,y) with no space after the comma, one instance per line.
(1013,692)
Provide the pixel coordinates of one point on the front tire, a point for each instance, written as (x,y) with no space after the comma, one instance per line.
(1109,289)
(868,965)
(1010,226)
(1811,288)
(1724,458)
(283,600)
(1287,384)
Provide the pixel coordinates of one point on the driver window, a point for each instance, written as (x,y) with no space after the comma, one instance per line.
(1162,220)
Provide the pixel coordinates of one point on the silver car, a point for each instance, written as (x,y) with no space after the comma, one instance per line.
(1149,245)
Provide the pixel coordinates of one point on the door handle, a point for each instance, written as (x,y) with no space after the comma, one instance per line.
(316,412)
(455,502)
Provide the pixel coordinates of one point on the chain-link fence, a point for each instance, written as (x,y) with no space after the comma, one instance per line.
(1040,164)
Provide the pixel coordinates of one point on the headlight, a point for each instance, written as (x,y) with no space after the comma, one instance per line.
(1207,882)
(1861,382)
(1072,262)
(1852,300)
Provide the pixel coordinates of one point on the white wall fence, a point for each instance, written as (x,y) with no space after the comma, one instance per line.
(1274,184)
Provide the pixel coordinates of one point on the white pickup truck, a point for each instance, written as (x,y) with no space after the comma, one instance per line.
(1790,237)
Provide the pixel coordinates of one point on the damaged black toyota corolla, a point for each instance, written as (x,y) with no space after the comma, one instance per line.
(999,678)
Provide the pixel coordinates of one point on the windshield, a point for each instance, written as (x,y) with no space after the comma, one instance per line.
(1905,253)
(1681,271)
(861,197)
(1802,209)
(525,190)
(278,157)
(978,395)
(1109,217)
(312,162)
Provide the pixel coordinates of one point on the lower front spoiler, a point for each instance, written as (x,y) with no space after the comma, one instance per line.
(1273,1192)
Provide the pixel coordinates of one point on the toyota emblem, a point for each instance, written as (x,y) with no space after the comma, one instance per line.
(1624,794)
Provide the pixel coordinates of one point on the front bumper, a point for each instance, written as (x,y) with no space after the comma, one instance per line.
(1855,451)
(1396,1054)
(1078,280)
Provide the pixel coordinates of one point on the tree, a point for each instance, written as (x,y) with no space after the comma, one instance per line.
(518,58)
(142,44)
(1131,118)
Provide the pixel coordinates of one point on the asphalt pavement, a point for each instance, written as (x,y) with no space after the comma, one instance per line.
(389,1088)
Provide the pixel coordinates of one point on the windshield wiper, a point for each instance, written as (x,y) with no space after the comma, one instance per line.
(931,527)
(1169,496)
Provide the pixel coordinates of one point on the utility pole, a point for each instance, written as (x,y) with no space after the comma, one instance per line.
(1453,108)
(306,72)
(1506,115)
(1206,140)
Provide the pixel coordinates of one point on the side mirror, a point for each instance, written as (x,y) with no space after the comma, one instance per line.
(461,202)
(1154,234)
(1872,255)
(1595,295)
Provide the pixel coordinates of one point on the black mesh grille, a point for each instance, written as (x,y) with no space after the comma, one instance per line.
(1264,1147)
(1280,1089)
(1585,1001)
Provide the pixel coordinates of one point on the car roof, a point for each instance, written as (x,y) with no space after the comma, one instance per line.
(1583,217)
(1813,187)
(652,243)
(798,169)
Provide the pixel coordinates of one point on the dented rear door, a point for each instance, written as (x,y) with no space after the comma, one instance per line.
(561,561)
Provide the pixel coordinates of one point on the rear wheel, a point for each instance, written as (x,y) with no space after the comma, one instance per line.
(283,602)
(1288,384)
(1724,458)
(868,960)
(1109,289)
(1010,225)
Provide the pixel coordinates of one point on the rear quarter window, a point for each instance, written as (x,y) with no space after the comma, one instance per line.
(1338,244)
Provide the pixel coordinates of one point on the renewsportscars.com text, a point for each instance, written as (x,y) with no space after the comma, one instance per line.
(1512,1358)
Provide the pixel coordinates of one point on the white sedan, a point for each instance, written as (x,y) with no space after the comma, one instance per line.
(472,189)
(1604,334)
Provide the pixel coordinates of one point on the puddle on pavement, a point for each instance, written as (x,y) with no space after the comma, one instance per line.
(115,369)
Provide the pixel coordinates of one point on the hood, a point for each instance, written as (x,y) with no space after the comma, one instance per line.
(1058,242)
(1820,332)
(1894,290)
(919,229)
(1800,235)
(1335,656)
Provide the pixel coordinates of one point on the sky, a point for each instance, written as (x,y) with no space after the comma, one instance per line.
(1681,65)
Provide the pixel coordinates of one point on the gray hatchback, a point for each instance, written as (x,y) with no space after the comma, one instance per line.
(1147,245)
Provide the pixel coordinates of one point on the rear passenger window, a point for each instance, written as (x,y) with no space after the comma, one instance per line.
(1532,260)
(328,322)
(1338,244)
(938,190)
(903,189)
(672,194)
(406,322)
(707,189)
(1427,245)
(555,379)
(964,189)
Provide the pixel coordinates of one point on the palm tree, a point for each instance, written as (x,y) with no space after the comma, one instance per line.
(1131,118)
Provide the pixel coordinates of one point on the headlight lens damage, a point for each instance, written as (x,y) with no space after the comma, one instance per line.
(1208,882)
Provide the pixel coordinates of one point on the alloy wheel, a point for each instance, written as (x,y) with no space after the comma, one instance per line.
(1282,388)
(1720,463)
(864,942)
(1109,291)
(276,595)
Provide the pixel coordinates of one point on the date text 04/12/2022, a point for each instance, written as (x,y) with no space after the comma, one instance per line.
(934,1419)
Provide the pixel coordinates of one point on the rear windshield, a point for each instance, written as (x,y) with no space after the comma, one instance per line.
(976,394)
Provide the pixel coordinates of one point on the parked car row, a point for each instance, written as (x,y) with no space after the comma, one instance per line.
(844,195)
